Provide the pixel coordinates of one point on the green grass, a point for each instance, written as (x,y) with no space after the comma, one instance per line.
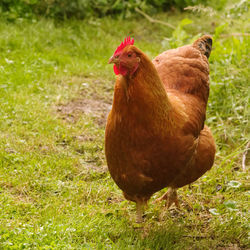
(55,90)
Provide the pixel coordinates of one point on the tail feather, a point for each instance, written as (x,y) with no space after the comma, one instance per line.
(204,45)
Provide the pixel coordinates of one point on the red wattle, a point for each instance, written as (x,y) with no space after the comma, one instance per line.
(116,70)
(121,70)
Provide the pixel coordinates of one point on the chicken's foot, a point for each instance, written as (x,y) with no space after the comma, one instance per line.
(171,197)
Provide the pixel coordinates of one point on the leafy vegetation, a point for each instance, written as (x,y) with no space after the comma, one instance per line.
(62,9)
(55,91)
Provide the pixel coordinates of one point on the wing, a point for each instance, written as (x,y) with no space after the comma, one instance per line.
(186,68)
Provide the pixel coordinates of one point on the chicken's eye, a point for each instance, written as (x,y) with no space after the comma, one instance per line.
(129,55)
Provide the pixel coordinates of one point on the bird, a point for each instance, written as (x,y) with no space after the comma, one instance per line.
(155,136)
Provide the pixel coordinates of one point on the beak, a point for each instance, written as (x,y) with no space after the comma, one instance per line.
(112,59)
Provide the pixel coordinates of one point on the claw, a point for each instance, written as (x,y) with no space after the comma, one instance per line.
(171,197)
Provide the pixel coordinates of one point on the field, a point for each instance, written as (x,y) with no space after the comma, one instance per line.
(55,92)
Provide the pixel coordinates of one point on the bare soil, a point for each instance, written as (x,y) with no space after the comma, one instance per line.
(72,110)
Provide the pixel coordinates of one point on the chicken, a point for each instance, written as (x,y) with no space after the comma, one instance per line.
(155,134)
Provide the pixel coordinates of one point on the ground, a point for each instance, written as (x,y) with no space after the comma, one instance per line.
(55,92)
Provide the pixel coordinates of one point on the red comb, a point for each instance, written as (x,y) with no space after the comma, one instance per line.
(127,41)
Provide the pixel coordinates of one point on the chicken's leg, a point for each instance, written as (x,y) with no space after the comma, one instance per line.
(139,212)
(171,197)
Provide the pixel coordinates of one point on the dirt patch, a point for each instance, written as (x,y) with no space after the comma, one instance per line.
(88,166)
(90,171)
(74,109)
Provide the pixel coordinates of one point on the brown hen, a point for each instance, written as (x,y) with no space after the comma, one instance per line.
(155,134)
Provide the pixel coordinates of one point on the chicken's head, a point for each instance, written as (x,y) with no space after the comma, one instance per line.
(125,58)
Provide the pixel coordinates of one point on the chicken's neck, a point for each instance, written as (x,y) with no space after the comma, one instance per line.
(141,100)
